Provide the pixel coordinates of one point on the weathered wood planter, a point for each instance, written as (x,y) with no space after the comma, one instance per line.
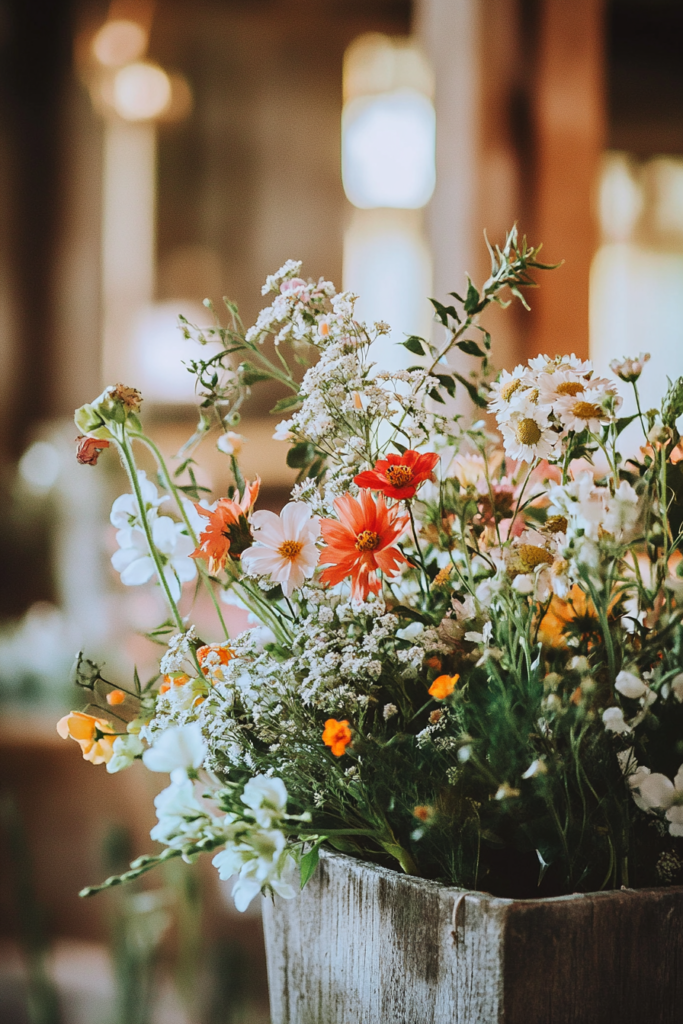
(365,945)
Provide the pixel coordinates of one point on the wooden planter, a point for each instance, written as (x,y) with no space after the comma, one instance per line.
(366,945)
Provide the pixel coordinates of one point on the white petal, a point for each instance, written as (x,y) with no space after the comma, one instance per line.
(185,568)
(138,572)
(164,534)
(268,526)
(243,892)
(180,746)
(295,518)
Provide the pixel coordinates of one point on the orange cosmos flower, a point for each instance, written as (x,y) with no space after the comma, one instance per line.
(228,530)
(177,679)
(361,543)
(443,686)
(337,736)
(93,735)
(399,476)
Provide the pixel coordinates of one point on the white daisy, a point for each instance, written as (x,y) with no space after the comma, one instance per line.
(526,435)
(285,548)
(508,387)
(586,410)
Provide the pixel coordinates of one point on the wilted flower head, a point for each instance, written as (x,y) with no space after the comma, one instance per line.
(628,369)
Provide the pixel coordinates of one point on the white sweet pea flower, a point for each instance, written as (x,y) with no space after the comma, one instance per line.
(182,818)
(630,685)
(266,799)
(537,767)
(125,511)
(613,720)
(410,632)
(657,794)
(284,548)
(125,750)
(136,565)
(259,859)
(180,746)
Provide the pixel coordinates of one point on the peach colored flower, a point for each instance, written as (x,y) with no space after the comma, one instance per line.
(337,736)
(228,532)
(212,658)
(443,686)
(361,542)
(115,697)
(94,736)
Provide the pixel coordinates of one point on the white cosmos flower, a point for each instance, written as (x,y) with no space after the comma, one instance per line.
(180,746)
(266,799)
(125,511)
(284,547)
(630,685)
(526,435)
(136,565)
(559,385)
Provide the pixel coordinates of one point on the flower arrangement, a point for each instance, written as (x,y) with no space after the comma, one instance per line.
(467,656)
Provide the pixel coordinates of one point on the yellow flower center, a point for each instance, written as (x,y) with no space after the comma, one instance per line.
(528,431)
(367,540)
(508,390)
(399,476)
(530,555)
(570,387)
(556,524)
(559,566)
(586,411)
(290,548)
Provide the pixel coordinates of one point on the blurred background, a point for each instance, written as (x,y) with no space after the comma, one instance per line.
(156,154)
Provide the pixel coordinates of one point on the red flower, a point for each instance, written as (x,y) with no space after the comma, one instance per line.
(228,530)
(361,543)
(399,476)
(89,449)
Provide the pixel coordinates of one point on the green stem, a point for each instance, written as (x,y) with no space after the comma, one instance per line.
(131,469)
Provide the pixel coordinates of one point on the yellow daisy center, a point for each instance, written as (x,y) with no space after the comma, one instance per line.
(367,540)
(556,524)
(587,411)
(399,476)
(508,390)
(570,387)
(290,548)
(528,431)
(530,556)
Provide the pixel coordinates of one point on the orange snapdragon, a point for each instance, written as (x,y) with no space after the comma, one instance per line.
(95,736)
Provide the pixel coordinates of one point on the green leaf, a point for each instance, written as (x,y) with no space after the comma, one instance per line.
(401,448)
(470,348)
(446,382)
(443,312)
(287,403)
(300,455)
(478,399)
(414,345)
(309,861)
(622,423)
(250,374)
(435,396)
(472,298)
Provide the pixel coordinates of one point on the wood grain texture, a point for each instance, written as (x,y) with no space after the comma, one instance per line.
(366,945)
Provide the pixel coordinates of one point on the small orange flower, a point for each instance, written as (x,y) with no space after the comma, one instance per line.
(174,680)
(228,532)
(93,735)
(423,812)
(443,686)
(116,697)
(434,662)
(337,736)
(212,658)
